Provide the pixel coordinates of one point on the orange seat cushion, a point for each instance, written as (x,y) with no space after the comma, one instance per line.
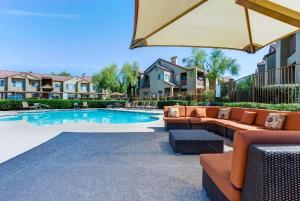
(195,120)
(234,125)
(179,120)
(181,110)
(221,122)
(237,113)
(218,168)
(248,117)
(241,142)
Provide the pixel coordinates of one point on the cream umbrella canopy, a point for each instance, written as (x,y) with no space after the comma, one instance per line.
(246,25)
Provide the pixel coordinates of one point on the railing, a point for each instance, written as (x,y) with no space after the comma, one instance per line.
(200,82)
(279,85)
(183,82)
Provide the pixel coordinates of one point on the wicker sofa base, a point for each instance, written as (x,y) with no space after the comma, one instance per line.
(212,190)
(177,126)
(230,133)
(218,129)
(273,173)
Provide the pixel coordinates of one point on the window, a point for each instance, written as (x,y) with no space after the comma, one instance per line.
(70,86)
(95,88)
(71,96)
(84,88)
(160,77)
(57,85)
(167,77)
(17,83)
(2,83)
(177,78)
(34,84)
(292,45)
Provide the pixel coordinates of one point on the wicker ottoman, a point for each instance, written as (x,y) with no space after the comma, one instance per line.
(195,142)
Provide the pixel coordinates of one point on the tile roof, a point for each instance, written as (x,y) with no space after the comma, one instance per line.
(58,78)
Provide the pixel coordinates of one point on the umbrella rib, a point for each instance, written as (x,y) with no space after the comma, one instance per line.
(249,30)
(174,19)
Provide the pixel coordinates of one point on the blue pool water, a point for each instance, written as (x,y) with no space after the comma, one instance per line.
(73,116)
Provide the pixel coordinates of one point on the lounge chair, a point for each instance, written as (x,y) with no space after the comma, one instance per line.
(133,105)
(37,106)
(85,105)
(153,105)
(76,106)
(140,105)
(25,106)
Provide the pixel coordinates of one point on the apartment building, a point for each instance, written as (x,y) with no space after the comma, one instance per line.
(167,78)
(21,85)
(281,64)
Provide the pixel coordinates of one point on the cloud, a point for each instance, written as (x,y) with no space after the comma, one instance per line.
(16,12)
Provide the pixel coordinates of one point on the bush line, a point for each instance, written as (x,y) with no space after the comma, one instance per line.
(68,104)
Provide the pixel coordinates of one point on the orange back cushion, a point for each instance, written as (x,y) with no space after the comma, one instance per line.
(261,116)
(212,111)
(237,113)
(200,112)
(190,111)
(181,110)
(292,121)
(241,142)
(248,117)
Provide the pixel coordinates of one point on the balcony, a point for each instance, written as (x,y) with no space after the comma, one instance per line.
(200,82)
(183,82)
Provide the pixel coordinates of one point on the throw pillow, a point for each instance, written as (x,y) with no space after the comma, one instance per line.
(248,117)
(275,121)
(173,112)
(224,113)
(200,112)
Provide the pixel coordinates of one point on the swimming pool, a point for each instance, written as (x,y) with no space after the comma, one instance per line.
(75,116)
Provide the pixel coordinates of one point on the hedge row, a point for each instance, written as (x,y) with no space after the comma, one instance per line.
(57,104)
(279,107)
(67,104)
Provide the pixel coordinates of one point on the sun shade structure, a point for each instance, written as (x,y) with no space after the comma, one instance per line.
(246,25)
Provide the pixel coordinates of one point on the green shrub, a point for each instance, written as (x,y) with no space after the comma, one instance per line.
(280,107)
(161,104)
(57,103)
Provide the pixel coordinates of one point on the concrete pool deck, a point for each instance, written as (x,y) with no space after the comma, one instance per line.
(130,166)
(19,136)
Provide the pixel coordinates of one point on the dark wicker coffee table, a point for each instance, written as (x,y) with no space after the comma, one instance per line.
(195,142)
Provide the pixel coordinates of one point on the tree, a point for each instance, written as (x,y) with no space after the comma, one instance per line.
(129,77)
(215,65)
(107,78)
(64,73)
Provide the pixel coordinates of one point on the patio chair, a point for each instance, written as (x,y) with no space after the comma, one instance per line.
(25,106)
(85,105)
(132,105)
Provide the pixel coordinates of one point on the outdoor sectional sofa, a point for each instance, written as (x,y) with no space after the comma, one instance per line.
(225,128)
(264,164)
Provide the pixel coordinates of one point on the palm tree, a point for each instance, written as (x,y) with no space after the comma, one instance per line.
(215,65)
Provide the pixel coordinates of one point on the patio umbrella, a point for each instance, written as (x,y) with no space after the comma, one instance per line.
(116,94)
(214,23)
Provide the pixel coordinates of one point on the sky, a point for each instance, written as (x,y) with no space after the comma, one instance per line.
(81,36)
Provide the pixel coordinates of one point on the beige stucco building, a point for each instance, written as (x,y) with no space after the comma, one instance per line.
(281,64)
(164,78)
(21,85)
